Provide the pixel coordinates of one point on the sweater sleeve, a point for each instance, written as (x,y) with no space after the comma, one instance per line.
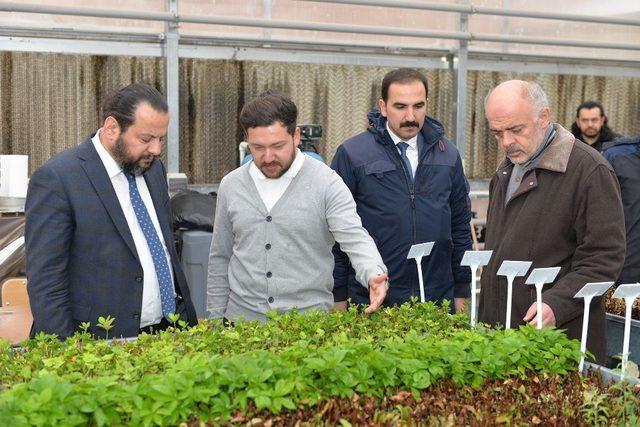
(219,256)
(600,236)
(343,168)
(346,227)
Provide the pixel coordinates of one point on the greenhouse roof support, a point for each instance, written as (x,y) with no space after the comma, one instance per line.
(311,26)
(479,10)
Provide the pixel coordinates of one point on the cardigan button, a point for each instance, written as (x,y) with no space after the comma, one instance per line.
(267,246)
(269,274)
(269,218)
(270,300)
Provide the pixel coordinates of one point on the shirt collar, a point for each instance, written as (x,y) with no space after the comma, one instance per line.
(295,167)
(112,167)
(413,142)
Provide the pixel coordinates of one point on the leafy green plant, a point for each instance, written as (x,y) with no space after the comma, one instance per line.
(106,323)
(210,372)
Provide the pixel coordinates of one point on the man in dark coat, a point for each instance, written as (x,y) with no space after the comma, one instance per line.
(624,156)
(553,201)
(591,125)
(98,231)
(409,187)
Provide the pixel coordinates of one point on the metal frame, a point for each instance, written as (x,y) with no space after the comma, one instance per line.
(172,83)
(460,67)
(172,46)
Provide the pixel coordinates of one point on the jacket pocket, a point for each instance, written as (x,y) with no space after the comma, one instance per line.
(379,168)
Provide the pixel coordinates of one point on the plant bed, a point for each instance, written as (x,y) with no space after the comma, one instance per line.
(615,308)
(559,400)
(290,366)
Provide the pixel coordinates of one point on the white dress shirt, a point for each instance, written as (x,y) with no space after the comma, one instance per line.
(412,149)
(151,310)
(271,189)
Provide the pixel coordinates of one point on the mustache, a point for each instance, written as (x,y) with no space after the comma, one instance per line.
(512,149)
(409,124)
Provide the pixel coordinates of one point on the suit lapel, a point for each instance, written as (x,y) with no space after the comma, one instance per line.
(95,170)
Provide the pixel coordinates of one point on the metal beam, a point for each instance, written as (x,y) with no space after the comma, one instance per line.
(309,56)
(266,14)
(460,79)
(554,66)
(298,50)
(479,10)
(317,26)
(172,85)
(86,11)
(82,47)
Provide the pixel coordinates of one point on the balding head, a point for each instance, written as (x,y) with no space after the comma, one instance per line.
(518,115)
(512,90)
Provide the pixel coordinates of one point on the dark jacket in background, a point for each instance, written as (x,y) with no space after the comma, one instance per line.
(624,156)
(398,212)
(82,262)
(566,213)
(606,135)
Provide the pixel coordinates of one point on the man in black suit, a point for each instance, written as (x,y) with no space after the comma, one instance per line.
(98,232)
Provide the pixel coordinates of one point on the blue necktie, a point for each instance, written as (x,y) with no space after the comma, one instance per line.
(155,247)
(403,154)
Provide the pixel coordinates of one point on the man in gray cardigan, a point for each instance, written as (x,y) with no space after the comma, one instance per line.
(276,221)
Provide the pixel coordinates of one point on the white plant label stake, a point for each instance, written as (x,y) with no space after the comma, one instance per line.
(538,277)
(629,292)
(474,259)
(417,252)
(512,269)
(588,291)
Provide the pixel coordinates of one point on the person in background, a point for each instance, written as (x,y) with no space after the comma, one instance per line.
(98,229)
(276,221)
(553,201)
(591,125)
(624,156)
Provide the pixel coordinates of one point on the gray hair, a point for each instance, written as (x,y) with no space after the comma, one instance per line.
(533,93)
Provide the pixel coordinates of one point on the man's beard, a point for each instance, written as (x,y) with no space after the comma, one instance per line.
(278,174)
(121,156)
(283,167)
(591,132)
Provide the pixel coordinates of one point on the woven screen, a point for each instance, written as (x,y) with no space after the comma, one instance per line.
(337,96)
(49,102)
(620,98)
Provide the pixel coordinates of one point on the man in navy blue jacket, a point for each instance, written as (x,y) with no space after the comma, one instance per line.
(98,228)
(409,187)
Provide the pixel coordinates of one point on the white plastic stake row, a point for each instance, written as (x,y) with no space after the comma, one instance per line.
(417,252)
(629,292)
(474,259)
(588,291)
(512,269)
(539,277)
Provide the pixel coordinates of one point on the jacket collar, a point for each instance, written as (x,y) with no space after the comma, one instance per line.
(432,131)
(556,156)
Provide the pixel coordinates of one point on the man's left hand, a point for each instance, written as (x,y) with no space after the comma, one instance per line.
(377,291)
(460,304)
(548,318)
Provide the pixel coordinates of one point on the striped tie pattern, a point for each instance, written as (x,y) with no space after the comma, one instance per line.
(155,247)
(403,154)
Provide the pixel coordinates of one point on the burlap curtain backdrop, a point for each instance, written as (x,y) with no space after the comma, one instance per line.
(620,98)
(49,102)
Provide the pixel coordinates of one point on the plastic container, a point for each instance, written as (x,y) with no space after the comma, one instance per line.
(195,261)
